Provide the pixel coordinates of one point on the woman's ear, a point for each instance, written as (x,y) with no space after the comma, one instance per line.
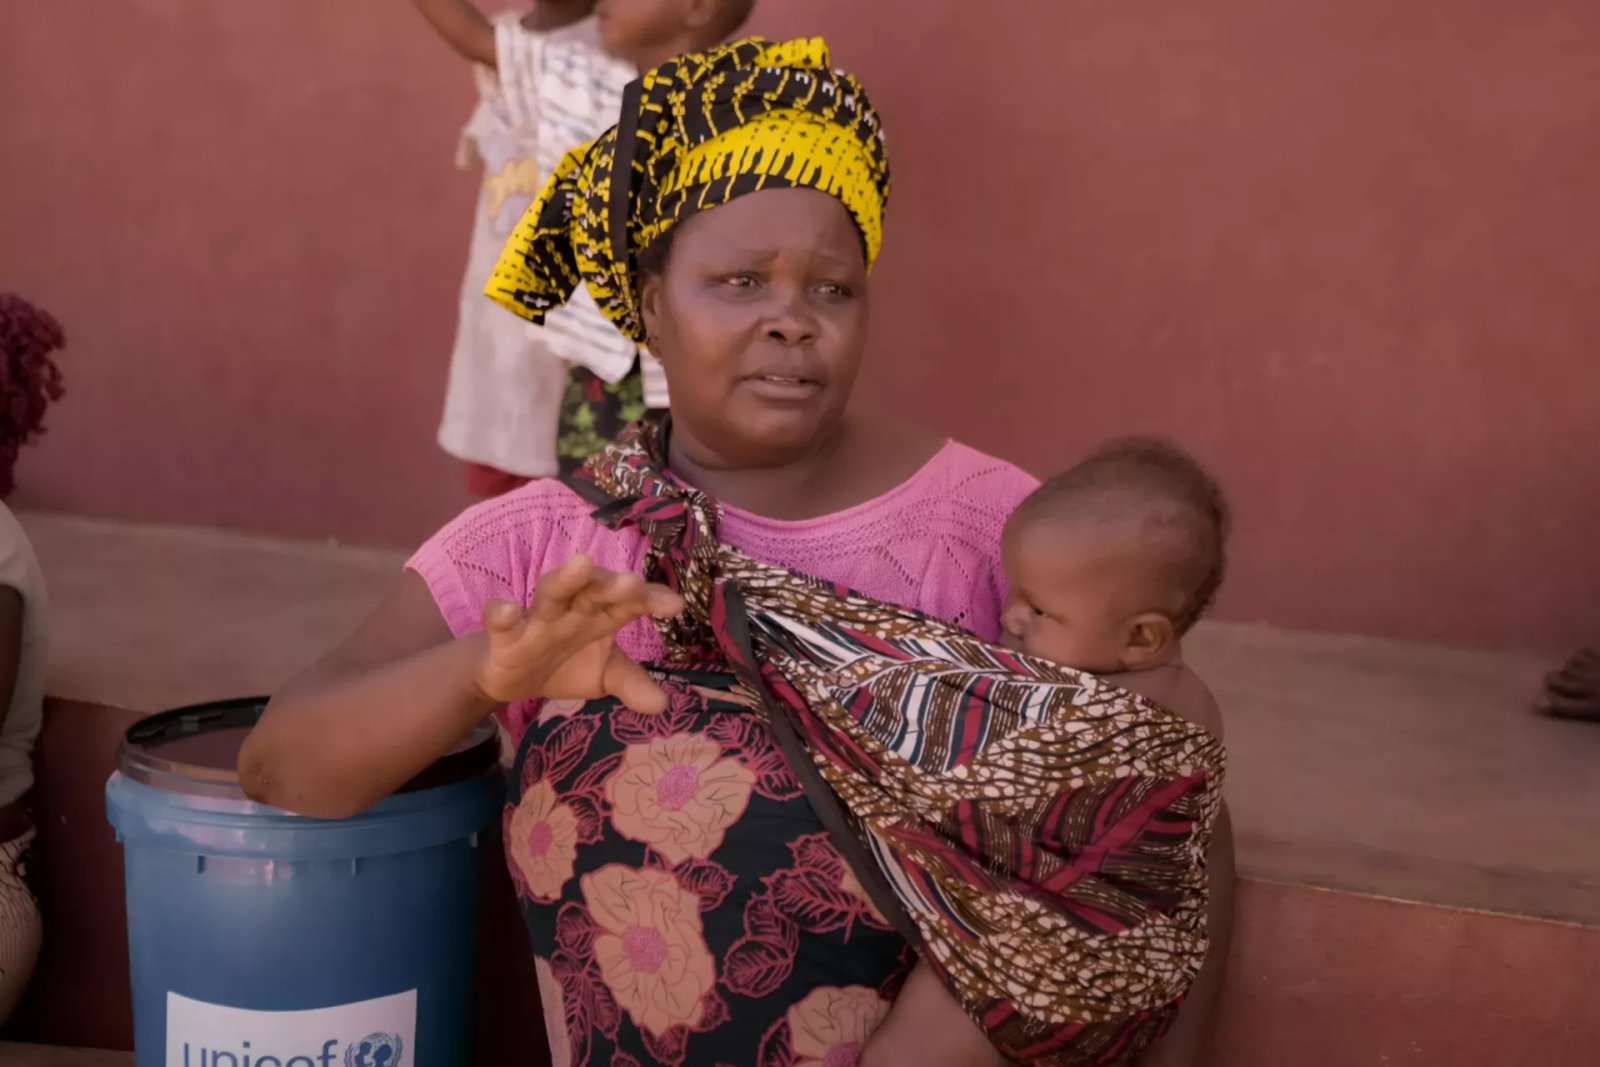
(1150,642)
(650,308)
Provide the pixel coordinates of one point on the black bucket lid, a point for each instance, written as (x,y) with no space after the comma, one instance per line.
(195,749)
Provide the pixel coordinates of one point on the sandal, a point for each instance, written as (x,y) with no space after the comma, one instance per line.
(1573,691)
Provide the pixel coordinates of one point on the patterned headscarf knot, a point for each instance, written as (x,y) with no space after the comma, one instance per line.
(695,133)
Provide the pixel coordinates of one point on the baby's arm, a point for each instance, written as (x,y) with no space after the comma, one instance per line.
(463,28)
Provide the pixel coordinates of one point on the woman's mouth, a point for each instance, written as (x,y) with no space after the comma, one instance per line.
(783,388)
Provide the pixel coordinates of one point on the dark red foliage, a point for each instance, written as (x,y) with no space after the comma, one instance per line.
(29,380)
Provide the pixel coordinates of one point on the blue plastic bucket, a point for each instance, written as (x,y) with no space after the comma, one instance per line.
(257,938)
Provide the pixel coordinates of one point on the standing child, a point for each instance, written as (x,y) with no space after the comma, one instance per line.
(548,80)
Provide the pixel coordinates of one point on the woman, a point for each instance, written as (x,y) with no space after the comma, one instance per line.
(685,902)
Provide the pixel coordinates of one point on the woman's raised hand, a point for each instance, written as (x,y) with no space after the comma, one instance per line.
(564,646)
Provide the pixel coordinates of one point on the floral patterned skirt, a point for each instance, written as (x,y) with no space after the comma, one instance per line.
(684,902)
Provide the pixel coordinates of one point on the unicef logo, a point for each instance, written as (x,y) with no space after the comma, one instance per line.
(374,1050)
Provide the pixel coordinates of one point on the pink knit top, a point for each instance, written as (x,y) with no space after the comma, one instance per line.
(931,543)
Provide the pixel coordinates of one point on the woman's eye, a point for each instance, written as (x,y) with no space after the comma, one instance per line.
(833,290)
(741,281)
(1039,612)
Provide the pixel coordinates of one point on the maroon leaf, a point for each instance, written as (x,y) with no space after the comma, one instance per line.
(815,852)
(607,1016)
(632,728)
(575,998)
(621,1059)
(709,881)
(774,1050)
(756,968)
(587,813)
(574,931)
(669,1048)
(592,781)
(760,960)
(775,781)
(737,732)
(568,744)
(763,921)
(532,767)
(713,1012)
(814,903)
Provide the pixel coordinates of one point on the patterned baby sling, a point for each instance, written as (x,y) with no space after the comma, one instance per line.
(1037,834)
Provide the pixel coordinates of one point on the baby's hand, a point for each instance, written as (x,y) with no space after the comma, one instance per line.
(564,645)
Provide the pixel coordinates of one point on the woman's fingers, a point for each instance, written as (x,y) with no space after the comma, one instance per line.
(661,602)
(606,598)
(502,618)
(632,684)
(556,590)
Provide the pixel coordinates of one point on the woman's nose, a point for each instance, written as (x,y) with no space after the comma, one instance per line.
(792,322)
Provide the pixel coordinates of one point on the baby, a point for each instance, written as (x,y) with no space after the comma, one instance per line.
(1112,562)
(1109,565)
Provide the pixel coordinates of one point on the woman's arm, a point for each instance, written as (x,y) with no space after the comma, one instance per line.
(1188,1043)
(402,691)
(927,1027)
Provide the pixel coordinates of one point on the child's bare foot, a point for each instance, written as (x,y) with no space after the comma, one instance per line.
(1573,692)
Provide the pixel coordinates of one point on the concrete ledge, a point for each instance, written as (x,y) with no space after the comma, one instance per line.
(1381,767)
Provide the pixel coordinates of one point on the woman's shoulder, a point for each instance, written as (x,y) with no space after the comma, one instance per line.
(969,474)
(498,548)
(937,468)
(541,508)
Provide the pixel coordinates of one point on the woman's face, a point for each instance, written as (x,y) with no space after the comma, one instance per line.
(760,321)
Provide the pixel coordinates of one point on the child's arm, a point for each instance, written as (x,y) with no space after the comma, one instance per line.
(463,28)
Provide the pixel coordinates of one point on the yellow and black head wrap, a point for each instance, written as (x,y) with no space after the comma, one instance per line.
(695,133)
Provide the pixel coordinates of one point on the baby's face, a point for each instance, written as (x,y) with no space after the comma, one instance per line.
(1070,590)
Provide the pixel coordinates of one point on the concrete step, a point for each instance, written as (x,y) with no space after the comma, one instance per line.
(1382,767)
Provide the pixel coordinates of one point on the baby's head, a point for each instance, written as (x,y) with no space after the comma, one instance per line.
(1111,563)
(647,33)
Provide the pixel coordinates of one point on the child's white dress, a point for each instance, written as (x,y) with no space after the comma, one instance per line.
(549,93)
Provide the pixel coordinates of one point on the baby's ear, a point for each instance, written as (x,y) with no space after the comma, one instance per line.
(1151,640)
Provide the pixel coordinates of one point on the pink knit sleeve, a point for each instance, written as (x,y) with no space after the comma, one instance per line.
(490,551)
(498,549)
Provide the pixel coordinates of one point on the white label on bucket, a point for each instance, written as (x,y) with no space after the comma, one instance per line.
(373,1033)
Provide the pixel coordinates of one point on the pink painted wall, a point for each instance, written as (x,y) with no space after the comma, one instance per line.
(1348,251)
